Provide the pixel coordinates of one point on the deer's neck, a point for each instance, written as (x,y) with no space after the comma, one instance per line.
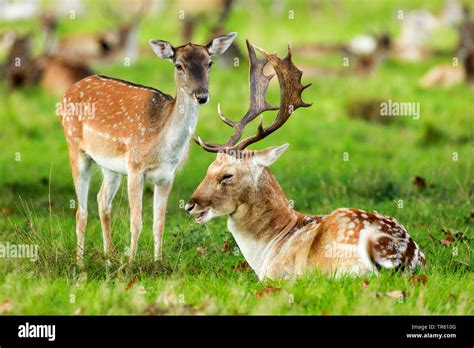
(185,110)
(263,219)
(183,117)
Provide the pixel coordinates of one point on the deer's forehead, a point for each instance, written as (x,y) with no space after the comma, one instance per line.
(192,54)
(229,163)
(216,168)
(221,165)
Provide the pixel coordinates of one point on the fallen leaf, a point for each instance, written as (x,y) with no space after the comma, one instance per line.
(392,294)
(241,266)
(366,284)
(202,251)
(7,211)
(6,306)
(418,278)
(454,234)
(419,182)
(131,283)
(269,289)
(225,247)
(447,242)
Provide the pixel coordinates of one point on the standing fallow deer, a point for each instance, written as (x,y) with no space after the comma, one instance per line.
(20,69)
(135,130)
(277,241)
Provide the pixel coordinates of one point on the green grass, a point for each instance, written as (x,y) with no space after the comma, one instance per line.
(35,192)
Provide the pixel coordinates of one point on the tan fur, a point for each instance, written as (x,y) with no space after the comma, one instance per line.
(58,75)
(134,130)
(443,76)
(110,44)
(279,242)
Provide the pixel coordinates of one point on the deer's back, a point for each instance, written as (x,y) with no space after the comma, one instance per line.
(113,121)
(118,108)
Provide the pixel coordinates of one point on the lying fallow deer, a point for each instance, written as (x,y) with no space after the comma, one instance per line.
(277,241)
(446,75)
(52,73)
(135,130)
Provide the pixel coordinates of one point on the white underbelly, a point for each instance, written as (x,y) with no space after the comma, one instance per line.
(164,173)
(114,164)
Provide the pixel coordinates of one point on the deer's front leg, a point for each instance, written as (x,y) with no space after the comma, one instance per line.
(135,194)
(160,200)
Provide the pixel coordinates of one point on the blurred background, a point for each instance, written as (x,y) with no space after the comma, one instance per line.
(357,54)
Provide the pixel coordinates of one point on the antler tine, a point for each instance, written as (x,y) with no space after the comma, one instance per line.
(258,83)
(209,146)
(289,77)
(223,118)
(206,146)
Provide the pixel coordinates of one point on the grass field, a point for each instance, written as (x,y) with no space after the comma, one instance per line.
(202,271)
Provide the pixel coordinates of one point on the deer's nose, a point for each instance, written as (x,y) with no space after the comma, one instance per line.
(202,97)
(189,206)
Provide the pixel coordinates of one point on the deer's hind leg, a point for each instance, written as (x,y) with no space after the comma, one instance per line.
(80,165)
(108,190)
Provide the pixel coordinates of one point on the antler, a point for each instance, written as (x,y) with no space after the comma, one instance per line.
(289,78)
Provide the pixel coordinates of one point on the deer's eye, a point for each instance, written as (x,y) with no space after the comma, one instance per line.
(179,67)
(226,177)
(210,64)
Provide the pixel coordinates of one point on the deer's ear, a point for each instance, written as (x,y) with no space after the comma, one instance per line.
(220,44)
(163,49)
(269,155)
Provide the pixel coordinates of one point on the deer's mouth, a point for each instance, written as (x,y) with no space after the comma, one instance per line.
(203,216)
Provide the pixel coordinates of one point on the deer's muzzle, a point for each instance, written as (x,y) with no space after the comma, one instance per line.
(202,96)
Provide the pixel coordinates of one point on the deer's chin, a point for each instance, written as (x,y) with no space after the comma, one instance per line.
(204,216)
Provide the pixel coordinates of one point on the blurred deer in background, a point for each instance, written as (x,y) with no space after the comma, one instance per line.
(58,74)
(446,75)
(418,26)
(416,30)
(364,53)
(204,13)
(54,74)
(20,69)
(19,10)
(138,131)
(277,241)
(114,43)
